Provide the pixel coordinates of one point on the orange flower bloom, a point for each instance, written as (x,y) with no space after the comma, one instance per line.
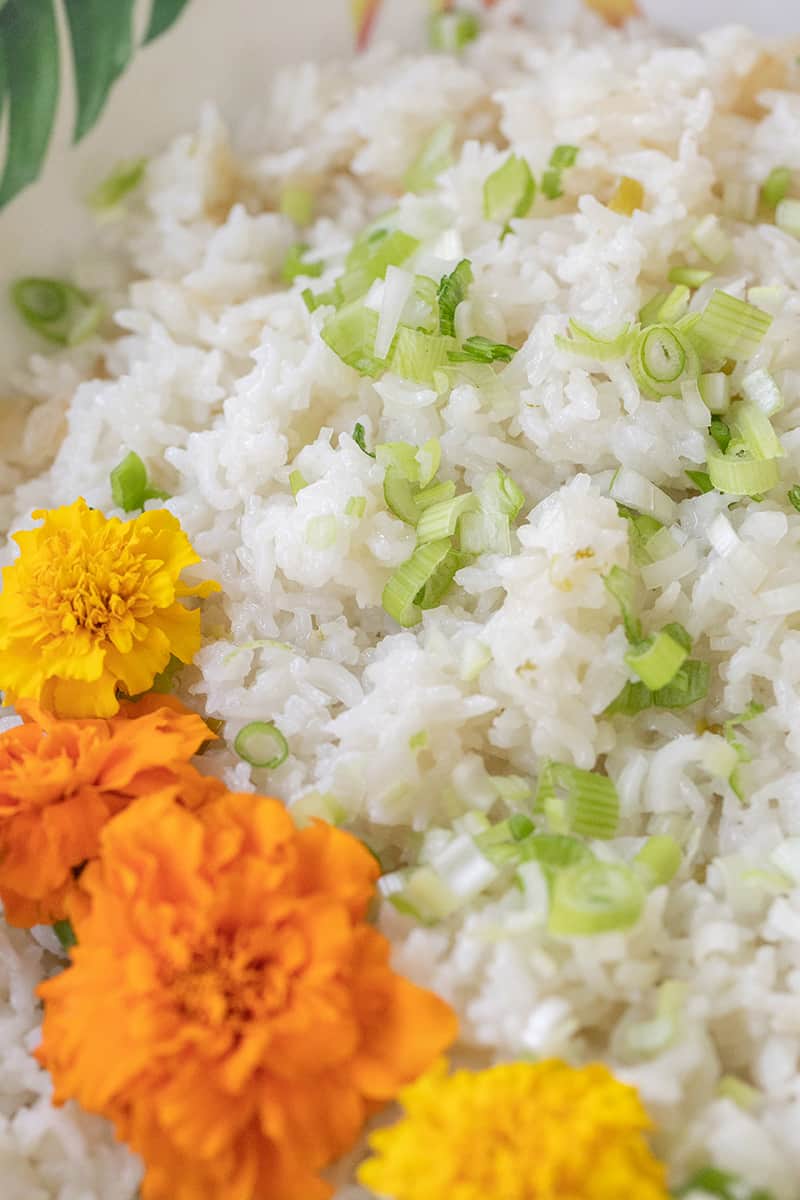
(93,606)
(228,1007)
(61,781)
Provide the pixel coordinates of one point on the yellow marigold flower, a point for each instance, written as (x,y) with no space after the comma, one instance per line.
(228,1005)
(92,607)
(525,1131)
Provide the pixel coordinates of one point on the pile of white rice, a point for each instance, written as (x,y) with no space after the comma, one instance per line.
(217,377)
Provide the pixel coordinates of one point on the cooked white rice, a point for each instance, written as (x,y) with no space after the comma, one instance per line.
(219,380)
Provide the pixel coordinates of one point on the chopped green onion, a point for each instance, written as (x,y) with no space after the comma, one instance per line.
(435,493)
(776,186)
(400,495)
(555,851)
(297,203)
(715,391)
(689,685)
(351,336)
(418,741)
(740,199)
(407,583)
(452,30)
(721,1185)
(58,311)
(648,313)
(719,431)
(295,264)
(438,584)
(401,456)
(710,240)
(499,493)
(418,356)
(742,1094)
(657,661)
(440,520)
(754,429)
(702,481)
(435,156)
(124,179)
(65,934)
(590,345)
(630,488)
(561,158)
(451,291)
(595,897)
(620,583)
(482,350)
(787,216)
(676,304)
(658,861)
(730,328)
(634,698)
(428,459)
(628,196)
(577,801)
(692,277)
(297,482)
(129,485)
(420,894)
(370,259)
(321,531)
(509,191)
(761,389)
(661,359)
(641,531)
(742,475)
(356,506)
(359,437)
(793,496)
(262,745)
(314,301)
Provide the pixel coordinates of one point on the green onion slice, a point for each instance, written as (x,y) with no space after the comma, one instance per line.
(793,496)
(741,474)
(440,520)
(751,426)
(595,897)
(482,350)
(450,31)
(509,191)
(418,356)
(407,584)
(297,481)
(65,934)
(720,432)
(124,179)
(356,506)
(776,186)
(359,437)
(129,484)
(351,336)
(451,291)
(297,203)
(658,861)
(661,359)
(657,661)
(692,277)
(296,264)
(577,801)
(730,328)
(262,745)
(591,345)
(561,158)
(435,156)
(57,310)
(701,480)
(622,586)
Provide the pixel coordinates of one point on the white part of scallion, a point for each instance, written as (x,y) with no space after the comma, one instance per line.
(750,424)
(710,239)
(262,745)
(397,288)
(760,388)
(632,489)
(715,390)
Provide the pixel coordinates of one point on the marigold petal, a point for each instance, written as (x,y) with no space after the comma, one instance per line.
(336,861)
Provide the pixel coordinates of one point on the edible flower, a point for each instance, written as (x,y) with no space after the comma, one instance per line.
(61,781)
(92,607)
(228,1007)
(523,1131)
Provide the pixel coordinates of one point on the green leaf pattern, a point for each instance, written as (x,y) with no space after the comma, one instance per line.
(102,46)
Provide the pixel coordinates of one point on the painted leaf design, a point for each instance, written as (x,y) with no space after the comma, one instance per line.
(29,47)
(163,14)
(102,44)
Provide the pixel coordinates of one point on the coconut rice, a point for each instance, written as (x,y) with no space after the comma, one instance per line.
(217,377)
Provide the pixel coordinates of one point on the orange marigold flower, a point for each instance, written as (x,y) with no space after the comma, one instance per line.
(228,1007)
(520,1131)
(93,606)
(61,781)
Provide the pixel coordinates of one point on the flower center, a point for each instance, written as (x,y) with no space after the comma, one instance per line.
(79,584)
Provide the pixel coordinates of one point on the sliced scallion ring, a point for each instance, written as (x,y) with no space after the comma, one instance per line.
(661,359)
(262,745)
(57,310)
(595,897)
(406,586)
